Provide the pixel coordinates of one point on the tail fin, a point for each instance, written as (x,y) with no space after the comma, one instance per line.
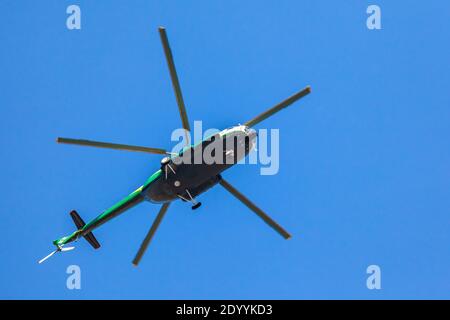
(80,224)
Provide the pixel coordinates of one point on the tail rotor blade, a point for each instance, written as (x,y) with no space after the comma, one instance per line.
(278,107)
(45,258)
(67,249)
(150,234)
(255,209)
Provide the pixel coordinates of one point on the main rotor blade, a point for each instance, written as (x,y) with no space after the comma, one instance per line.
(108,145)
(278,107)
(175,82)
(150,234)
(255,209)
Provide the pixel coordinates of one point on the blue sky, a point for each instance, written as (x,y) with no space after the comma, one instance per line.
(365,159)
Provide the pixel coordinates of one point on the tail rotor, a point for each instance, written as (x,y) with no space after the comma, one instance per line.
(58,249)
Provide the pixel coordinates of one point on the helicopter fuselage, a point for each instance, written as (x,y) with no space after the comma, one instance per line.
(197,168)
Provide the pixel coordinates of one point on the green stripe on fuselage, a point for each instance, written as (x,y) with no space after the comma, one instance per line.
(133,198)
(110,211)
(152,178)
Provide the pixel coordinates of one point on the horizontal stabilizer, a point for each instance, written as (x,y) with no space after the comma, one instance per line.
(80,224)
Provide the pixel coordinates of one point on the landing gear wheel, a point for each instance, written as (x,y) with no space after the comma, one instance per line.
(196,206)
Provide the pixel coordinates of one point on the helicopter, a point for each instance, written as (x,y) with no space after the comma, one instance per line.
(179,178)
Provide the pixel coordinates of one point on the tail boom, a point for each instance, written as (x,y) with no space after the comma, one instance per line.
(85,229)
